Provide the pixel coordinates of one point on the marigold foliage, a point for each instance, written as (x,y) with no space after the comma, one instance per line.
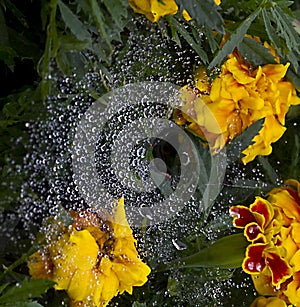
(93,260)
(272,226)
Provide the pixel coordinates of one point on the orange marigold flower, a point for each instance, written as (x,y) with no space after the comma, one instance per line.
(93,260)
(272,227)
(237,98)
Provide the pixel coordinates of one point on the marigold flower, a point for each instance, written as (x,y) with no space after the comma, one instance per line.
(94,259)
(238,97)
(272,227)
(154,9)
(268,302)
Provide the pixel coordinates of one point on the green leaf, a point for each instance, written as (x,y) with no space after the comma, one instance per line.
(255,53)
(4,39)
(73,23)
(7,54)
(23,304)
(268,169)
(275,40)
(295,159)
(24,47)
(50,50)
(27,289)
(2,287)
(241,142)
(137,304)
(204,12)
(234,40)
(185,34)
(227,252)
(117,10)
(71,43)
(213,44)
(99,19)
(289,35)
(285,26)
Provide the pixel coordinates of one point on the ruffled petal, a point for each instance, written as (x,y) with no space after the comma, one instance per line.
(241,216)
(279,268)
(254,261)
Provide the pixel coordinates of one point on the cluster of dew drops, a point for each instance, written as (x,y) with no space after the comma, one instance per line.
(50,186)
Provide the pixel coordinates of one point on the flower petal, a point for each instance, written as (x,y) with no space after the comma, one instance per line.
(241,216)
(254,261)
(279,268)
(263,211)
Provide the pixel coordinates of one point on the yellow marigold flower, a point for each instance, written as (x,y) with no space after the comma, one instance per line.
(94,259)
(154,9)
(268,302)
(272,227)
(237,98)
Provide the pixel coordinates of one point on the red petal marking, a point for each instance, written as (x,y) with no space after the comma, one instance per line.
(241,216)
(252,231)
(262,208)
(254,261)
(278,267)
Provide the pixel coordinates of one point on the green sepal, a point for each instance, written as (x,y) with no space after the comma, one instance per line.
(226,253)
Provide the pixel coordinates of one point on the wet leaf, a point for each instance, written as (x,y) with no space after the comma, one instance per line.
(117,10)
(227,252)
(73,23)
(185,34)
(241,142)
(205,13)
(27,289)
(99,19)
(234,40)
(255,52)
(268,169)
(71,43)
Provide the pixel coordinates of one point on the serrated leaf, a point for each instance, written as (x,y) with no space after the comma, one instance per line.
(27,289)
(270,30)
(213,44)
(242,141)
(71,43)
(285,26)
(234,40)
(185,34)
(99,19)
(117,10)
(227,252)
(73,23)
(204,12)
(255,53)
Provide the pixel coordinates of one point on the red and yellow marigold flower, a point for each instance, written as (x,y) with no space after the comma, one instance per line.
(93,260)
(239,96)
(154,9)
(272,227)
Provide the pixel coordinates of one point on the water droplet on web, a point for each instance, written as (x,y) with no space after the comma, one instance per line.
(51,185)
